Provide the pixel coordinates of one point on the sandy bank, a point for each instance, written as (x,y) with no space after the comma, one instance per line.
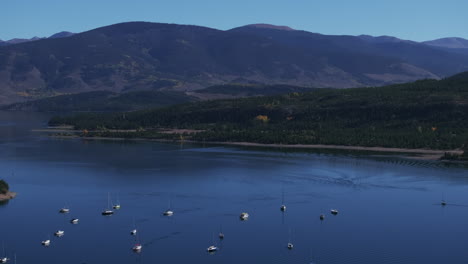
(7,196)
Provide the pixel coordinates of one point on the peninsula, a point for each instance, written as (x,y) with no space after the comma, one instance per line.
(5,193)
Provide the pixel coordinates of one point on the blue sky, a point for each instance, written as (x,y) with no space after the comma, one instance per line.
(410,19)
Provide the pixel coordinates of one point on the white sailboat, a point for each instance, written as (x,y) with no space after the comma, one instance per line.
(108,211)
(213,248)
(59,233)
(134,230)
(46,242)
(138,246)
(64,210)
(4,259)
(290,245)
(334,211)
(244,216)
(74,221)
(168,212)
(117,205)
(283,207)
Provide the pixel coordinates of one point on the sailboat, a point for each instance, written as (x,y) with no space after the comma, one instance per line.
(59,233)
(283,207)
(138,246)
(108,211)
(46,242)
(290,245)
(334,211)
(221,234)
(168,212)
(244,216)
(212,249)
(117,205)
(74,221)
(64,210)
(4,259)
(134,231)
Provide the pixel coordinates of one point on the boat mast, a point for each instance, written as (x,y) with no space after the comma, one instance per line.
(282,194)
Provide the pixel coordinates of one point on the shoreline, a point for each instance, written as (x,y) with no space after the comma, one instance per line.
(423,154)
(7,196)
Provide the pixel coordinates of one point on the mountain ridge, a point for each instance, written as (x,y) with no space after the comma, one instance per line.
(135,56)
(452,43)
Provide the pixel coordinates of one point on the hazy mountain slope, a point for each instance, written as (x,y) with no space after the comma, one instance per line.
(110,101)
(63,34)
(102,101)
(453,43)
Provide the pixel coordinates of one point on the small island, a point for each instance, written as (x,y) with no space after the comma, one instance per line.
(5,193)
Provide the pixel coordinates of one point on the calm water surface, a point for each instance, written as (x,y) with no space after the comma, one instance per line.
(389,208)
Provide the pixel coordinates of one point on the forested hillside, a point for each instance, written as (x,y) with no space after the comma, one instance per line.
(422,114)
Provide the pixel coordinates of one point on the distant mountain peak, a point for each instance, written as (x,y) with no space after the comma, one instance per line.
(381,39)
(62,34)
(20,40)
(453,43)
(269,26)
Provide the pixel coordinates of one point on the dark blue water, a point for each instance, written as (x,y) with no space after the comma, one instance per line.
(389,208)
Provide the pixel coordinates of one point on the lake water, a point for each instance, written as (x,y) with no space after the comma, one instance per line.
(389,207)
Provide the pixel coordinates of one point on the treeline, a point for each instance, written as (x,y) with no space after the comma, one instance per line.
(4,188)
(424,114)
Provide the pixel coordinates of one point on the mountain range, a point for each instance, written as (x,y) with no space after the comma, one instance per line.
(453,43)
(142,56)
(62,34)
